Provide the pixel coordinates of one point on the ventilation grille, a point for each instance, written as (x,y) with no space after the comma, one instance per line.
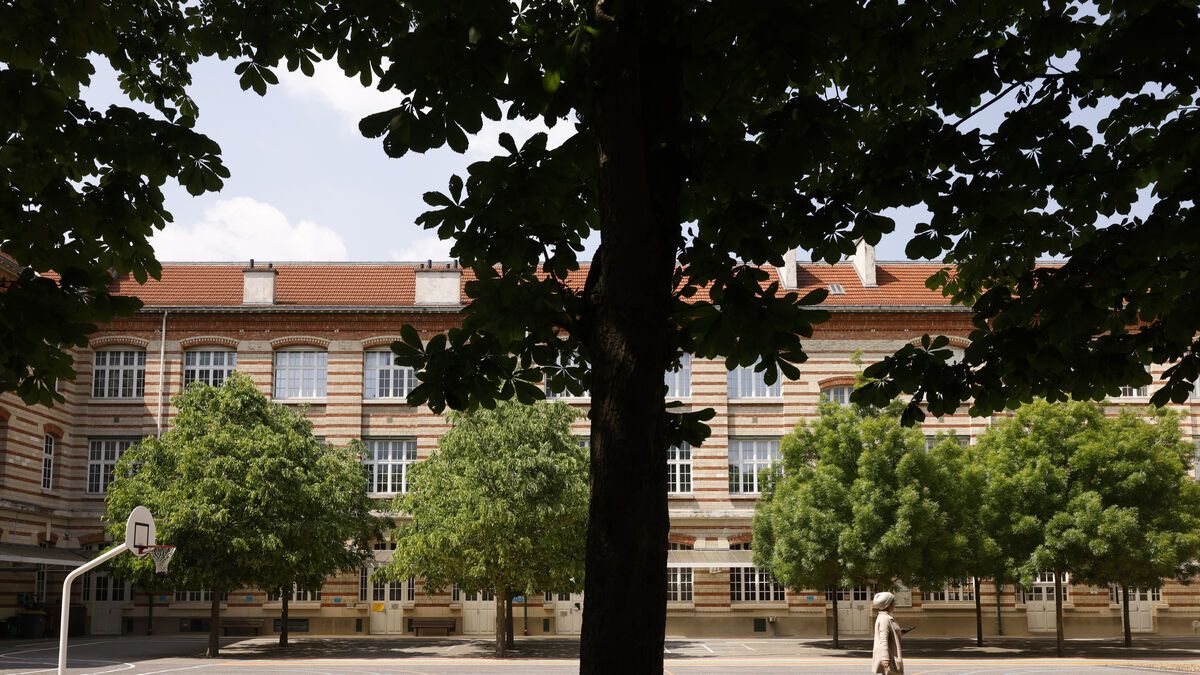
(837,289)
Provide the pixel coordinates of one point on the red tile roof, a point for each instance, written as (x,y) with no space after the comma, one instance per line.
(393,285)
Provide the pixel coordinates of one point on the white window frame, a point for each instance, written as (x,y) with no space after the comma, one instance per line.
(754,584)
(103,454)
(747,458)
(201,365)
(955,591)
(191,595)
(125,379)
(679,469)
(298,595)
(745,382)
(294,379)
(679,380)
(383,379)
(680,584)
(1114,594)
(839,394)
(1130,391)
(48,444)
(389,462)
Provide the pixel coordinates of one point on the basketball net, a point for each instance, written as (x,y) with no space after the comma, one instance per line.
(161,555)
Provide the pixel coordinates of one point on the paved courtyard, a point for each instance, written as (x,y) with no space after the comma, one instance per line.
(181,654)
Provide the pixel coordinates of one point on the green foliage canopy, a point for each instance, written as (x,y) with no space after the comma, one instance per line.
(246,493)
(501,505)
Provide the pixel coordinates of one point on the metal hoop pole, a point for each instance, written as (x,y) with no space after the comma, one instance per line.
(65,614)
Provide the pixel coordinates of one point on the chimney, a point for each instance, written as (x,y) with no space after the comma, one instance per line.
(438,284)
(787,273)
(864,263)
(258,284)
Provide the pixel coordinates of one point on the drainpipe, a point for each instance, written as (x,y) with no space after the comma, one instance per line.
(162,373)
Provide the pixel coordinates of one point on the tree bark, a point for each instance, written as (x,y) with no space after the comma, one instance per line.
(283,617)
(1125,614)
(978,614)
(509,640)
(836,640)
(1058,620)
(501,643)
(214,625)
(999,620)
(625,332)
(150,614)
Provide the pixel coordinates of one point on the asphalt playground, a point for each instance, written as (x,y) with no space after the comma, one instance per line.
(134,655)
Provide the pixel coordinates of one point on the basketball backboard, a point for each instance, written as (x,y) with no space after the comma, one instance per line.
(139,531)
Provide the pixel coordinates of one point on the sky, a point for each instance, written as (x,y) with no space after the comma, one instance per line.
(305,185)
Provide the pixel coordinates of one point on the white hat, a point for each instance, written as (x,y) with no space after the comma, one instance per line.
(883,600)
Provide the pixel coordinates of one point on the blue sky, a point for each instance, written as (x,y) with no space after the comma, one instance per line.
(306,185)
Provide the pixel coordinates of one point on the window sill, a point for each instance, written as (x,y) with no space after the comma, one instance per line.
(958,604)
(680,604)
(386,400)
(757,399)
(745,495)
(774,604)
(204,604)
(294,604)
(119,399)
(570,399)
(298,401)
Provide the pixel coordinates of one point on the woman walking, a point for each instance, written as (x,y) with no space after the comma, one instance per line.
(886,656)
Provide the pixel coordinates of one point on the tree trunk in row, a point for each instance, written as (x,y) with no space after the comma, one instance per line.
(501,622)
(836,638)
(1125,614)
(626,336)
(214,625)
(978,614)
(1058,616)
(285,596)
(511,641)
(999,618)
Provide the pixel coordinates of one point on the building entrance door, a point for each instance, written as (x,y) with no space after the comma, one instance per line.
(568,613)
(1141,607)
(1039,602)
(387,607)
(107,598)
(854,610)
(479,613)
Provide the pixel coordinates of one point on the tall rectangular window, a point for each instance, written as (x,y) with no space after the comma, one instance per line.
(388,464)
(958,590)
(364,582)
(679,468)
(210,366)
(382,378)
(198,596)
(48,462)
(747,458)
(300,373)
(102,459)
(754,584)
(119,373)
(679,380)
(679,584)
(745,382)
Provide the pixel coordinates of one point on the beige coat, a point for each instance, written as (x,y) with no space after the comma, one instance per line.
(887,645)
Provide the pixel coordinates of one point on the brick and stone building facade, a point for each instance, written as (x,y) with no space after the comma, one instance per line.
(313,333)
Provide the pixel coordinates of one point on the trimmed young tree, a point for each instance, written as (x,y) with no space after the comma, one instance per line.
(501,505)
(859,499)
(246,493)
(1030,481)
(1134,519)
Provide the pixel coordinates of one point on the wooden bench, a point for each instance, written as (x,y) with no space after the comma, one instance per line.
(241,623)
(428,622)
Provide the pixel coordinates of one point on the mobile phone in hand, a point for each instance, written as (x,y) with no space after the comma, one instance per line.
(904,631)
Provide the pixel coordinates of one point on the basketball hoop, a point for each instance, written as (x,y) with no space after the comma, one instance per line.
(161,555)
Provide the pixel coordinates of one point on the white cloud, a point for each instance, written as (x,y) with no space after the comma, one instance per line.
(242,228)
(425,247)
(330,87)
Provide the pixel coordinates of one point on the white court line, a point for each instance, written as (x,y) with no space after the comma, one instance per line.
(710,651)
(172,670)
(746,646)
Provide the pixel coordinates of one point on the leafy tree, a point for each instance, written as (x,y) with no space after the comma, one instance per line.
(1134,518)
(1030,481)
(81,188)
(763,128)
(501,505)
(860,499)
(246,493)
